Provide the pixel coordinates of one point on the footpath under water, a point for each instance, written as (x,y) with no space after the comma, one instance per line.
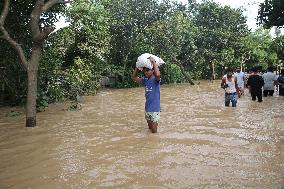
(199,144)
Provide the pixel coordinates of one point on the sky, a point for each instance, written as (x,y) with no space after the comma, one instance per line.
(251,7)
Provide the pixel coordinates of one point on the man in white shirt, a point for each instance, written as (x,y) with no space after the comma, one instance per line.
(270,80)
(240,79)
(229,84)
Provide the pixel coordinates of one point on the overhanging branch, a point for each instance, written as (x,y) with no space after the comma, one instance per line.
(41,7)
(47,31)
(35,16)
(38,36)
(51,3)
(4,12)
(7,37)
(16,46)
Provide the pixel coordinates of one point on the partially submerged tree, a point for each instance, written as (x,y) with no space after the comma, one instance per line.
(29,58)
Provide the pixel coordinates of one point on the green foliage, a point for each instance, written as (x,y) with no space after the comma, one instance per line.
(13,114)
(259,50)
(270,13)
(221,30)
(105,38)
(41,101)
(129,22)
(17,24)
(90,24)
(125,80)
(79,79)
(50,75)
(173,40)
(277,45)
(173,74)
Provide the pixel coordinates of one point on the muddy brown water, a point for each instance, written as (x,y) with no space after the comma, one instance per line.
(199,144)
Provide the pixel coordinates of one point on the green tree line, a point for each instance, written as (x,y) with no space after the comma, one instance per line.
(105,37)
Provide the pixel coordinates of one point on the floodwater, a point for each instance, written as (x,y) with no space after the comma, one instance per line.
(199,144)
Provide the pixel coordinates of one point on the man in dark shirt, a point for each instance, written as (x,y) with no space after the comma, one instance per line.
(281,83)
(255,83)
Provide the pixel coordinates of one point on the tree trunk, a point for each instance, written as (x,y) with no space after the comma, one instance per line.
(223,71)
(177,62)
(2,89)
(185,74)
(32,87)
(213,77)
(38,37)
(124,66)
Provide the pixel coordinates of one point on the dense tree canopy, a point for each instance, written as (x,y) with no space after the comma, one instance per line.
(17,24)
(271,13)
(105,37)
(221,30)
(37,27)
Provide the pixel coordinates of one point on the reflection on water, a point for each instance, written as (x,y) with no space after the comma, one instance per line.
(199,144)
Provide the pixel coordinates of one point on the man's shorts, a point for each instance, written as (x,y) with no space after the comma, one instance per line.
(152,116)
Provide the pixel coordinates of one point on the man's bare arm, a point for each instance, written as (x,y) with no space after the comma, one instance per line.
(237,87)
(223,82)
(135,76)
(156,68)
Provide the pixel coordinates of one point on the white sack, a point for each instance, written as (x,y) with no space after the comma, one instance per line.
(143,61)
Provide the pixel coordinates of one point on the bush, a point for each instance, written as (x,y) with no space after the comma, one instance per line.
(172,74)
(79,79)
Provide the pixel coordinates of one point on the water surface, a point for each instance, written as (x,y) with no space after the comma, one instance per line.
(199,144)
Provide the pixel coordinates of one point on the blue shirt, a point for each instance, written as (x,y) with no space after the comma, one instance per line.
(152,94)
(281,79)
(240,79)
(269,79)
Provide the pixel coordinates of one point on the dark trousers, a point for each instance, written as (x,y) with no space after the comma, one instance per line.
(281,91)
(258,94)
(268,92)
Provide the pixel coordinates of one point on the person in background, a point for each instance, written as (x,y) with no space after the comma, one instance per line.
(255,83)
(259,70)
(248,72)
(240,79)
(151,81)
(229,84)
(280,81)
(270,81)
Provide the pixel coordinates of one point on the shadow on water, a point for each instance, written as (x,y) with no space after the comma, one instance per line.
(199,144)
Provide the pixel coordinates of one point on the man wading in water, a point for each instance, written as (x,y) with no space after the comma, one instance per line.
(255,83)
(240,80)
(151,81)
(232,92)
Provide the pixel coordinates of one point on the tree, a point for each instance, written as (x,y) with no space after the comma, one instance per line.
(89,21)
(259,49)
(129,20)
(271,13)
(277,46)
(39,22)
(173,40)
(220,28)
(75,56)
